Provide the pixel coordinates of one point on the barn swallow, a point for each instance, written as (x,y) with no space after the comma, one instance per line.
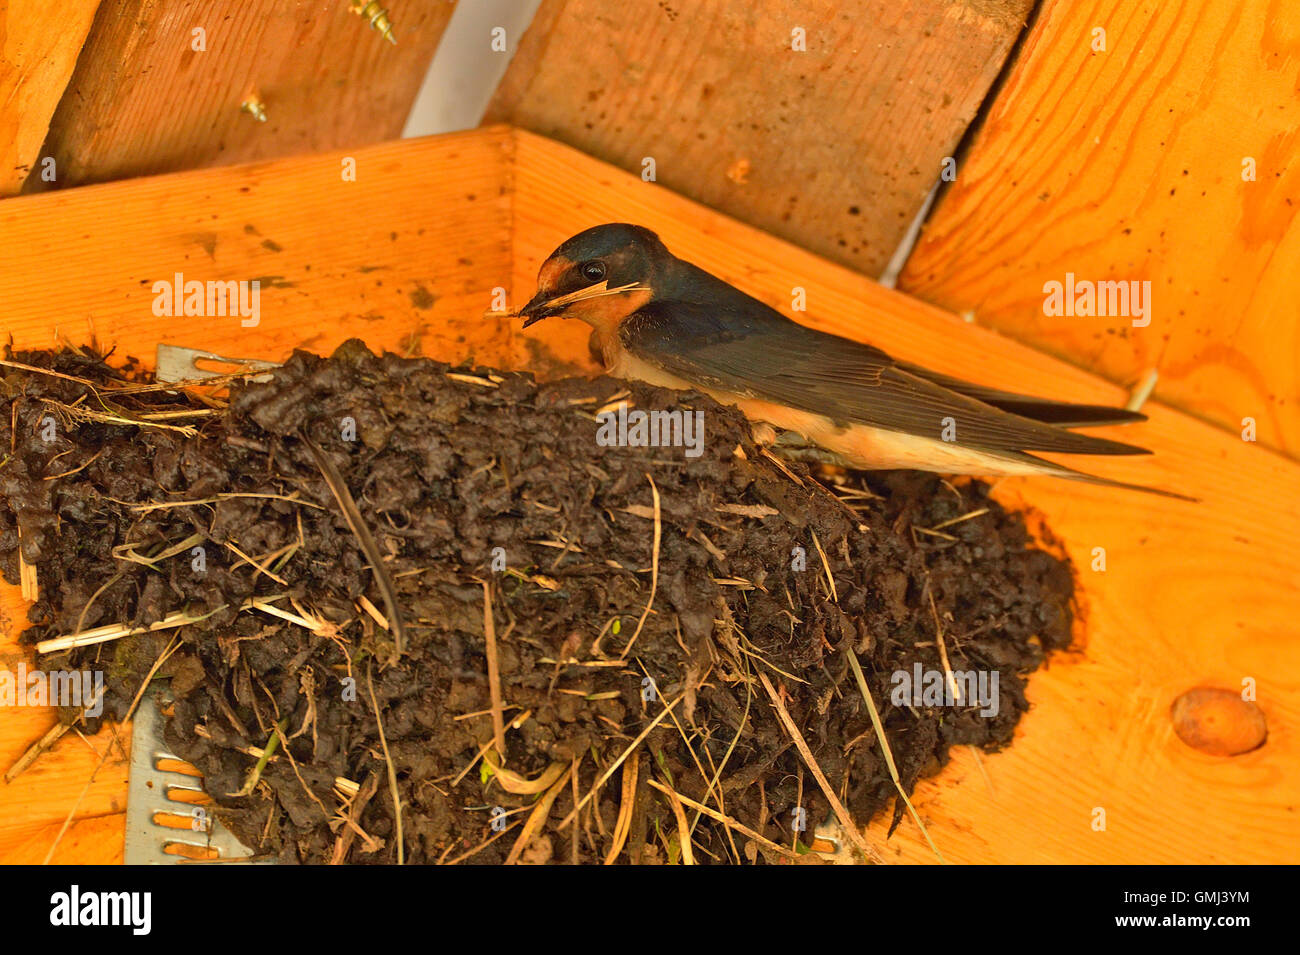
(667,322)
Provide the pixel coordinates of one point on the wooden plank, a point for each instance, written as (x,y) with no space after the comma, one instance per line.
(834,149)
(56,784)
(407,261)
(39,43)
(95,840)
(1128,164)
(1193,594)
(143,100)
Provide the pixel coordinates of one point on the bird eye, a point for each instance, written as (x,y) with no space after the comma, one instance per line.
(592,271)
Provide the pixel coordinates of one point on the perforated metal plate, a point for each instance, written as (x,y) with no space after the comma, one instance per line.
(158,794)
(177,363)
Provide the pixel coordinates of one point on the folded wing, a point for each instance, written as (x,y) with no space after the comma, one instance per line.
(758,353)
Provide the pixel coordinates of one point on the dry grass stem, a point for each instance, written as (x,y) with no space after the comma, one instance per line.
(392,771)
(846,820)
(654,567)
(338,487)
(887,752)
(613,767)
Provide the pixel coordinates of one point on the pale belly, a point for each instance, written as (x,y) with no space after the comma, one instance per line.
(860,445)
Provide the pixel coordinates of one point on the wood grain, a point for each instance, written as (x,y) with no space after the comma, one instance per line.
(39,43)
(404,258)
(1127,164)
(1192,594)
(144,101)
(834,148)
(93,840)
(35,805)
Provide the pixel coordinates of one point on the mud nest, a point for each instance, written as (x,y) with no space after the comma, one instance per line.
(499,521)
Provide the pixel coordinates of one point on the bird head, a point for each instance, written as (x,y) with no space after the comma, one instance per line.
(600,275)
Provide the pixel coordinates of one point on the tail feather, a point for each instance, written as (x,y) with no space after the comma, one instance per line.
(1052,469)
(1063,414)
(1071,416)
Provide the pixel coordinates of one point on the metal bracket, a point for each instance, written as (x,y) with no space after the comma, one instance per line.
(150,793)
(177,363)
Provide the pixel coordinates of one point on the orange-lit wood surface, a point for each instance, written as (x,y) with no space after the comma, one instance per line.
(39,43)
(1129,164)
(833,147)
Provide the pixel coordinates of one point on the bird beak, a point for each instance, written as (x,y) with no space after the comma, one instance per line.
(540,306)
(535,310)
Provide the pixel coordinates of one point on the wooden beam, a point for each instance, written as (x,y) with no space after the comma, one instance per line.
(146,99)
(1127,164)
(406,260)
(90,840)
(39,43)
(833,148)
(35,805)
